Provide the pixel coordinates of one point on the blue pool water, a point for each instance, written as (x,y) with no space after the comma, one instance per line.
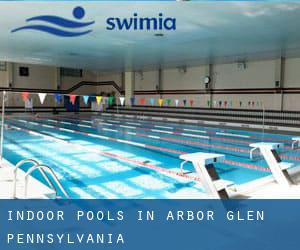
(108,157)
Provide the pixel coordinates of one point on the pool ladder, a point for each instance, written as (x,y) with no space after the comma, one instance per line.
(42,168)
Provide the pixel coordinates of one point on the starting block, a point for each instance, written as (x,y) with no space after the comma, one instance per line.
(296,141)
(210,180)
(277,167)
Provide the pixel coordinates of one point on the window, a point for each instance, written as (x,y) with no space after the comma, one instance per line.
(2,66)
(23,71)
(71,72)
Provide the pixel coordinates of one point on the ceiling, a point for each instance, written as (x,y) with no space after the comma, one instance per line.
(207,32)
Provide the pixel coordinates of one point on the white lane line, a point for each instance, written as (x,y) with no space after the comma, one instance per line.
(131,133)
(108,129)
(161,131)
(22,121)
(47,126)
(157,130)
(233,135)
(153,136)
(133,123)
(132,143)
(67,130)
(195,130)
(113,121)
(50,120)
(201,131)
(197,136)
(157,126)
(107,124)
(165,132)
(83,125)
(124,126)
(34,123)
(68,123)
(86,121)
(98,136)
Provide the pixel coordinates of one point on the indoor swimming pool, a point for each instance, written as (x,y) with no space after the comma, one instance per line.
(99,156)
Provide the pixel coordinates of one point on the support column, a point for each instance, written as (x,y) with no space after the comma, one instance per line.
(57,79)
(10,74)
(279,78)
(209,73)
(160,81)
(129,86)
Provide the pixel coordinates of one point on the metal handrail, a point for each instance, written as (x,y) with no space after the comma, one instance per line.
(18,165)
(53,175)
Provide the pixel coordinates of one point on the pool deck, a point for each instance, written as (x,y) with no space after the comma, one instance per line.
(36,189)
(264,188)
(267,188)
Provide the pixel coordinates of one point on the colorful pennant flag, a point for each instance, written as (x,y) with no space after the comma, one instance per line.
(98,99)
(184,102)
(110,100)
(42,97)
(169,102)
(122,100)
(208,103)
(86,99)
(25,96)
(142,101)
(132,101)
(191,103)
(176,102)
(241,103)
(57,98)
(72,99)
(152,101)
(225,103)
(160,101)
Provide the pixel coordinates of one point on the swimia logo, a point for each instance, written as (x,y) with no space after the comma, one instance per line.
(141,23)
(65,27)
(60,26)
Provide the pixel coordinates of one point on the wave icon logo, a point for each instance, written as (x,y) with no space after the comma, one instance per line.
(62,27)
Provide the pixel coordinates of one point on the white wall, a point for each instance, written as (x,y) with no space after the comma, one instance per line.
(68,82)
(39,77)
(259,74)
(146,80)
(256,75)
(108,76)
(3,79)
(43,77)
(292,73)
(177,79)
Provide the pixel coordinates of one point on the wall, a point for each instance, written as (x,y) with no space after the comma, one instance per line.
(176,79)
(4,79)
(231,84)
(42,77)
(260,76)
(146,80)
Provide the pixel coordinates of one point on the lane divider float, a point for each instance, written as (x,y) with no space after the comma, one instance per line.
(244,165)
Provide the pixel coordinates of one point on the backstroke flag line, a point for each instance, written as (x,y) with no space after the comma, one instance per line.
(42,97)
